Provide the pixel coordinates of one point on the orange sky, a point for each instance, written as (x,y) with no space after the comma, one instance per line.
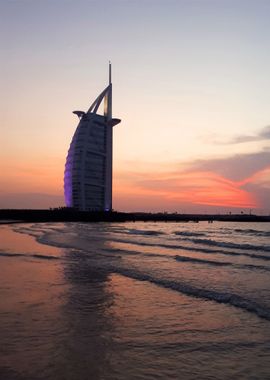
(177,191)
(152,188)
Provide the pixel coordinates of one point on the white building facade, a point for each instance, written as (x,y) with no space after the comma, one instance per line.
(88,169)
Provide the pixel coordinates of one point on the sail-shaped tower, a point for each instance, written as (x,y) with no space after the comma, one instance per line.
(88,169)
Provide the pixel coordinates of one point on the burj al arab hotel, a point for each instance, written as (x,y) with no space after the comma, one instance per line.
(88,169)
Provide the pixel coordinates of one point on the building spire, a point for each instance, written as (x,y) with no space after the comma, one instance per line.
(108,100)
(110,72)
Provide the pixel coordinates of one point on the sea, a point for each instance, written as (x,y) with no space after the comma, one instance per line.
(120,301)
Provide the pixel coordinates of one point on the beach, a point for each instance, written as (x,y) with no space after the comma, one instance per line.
(135,301)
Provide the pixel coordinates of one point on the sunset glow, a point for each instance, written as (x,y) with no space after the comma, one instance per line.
(199,188)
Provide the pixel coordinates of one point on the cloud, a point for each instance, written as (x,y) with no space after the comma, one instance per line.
(237,167)
(264,134)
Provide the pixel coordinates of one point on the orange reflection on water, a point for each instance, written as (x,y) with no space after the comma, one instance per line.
(27,272)
(12,241)
(32,292)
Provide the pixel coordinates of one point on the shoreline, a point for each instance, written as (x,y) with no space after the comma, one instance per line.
(9,216)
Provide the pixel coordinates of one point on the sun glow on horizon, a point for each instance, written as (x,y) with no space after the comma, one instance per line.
(197,188)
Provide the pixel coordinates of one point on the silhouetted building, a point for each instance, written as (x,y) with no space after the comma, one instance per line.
(88,169)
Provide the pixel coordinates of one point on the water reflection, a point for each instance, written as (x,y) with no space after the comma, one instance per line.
(87,348)
(53,319)
(82,317)
(31,294)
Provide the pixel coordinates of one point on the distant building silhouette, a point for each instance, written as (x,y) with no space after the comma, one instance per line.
(88,169)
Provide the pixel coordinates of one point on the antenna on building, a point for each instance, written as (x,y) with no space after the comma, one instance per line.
(110,72)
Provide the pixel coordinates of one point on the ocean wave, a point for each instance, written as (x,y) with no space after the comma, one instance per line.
(224,244)
(138,232)
(47,239)
(190,290)
(27,231)
(135,253)
(45,257)
(187,233)
(201,261)
(251,231)
(220,263)
(193,249)
(187,259)
(32,255)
